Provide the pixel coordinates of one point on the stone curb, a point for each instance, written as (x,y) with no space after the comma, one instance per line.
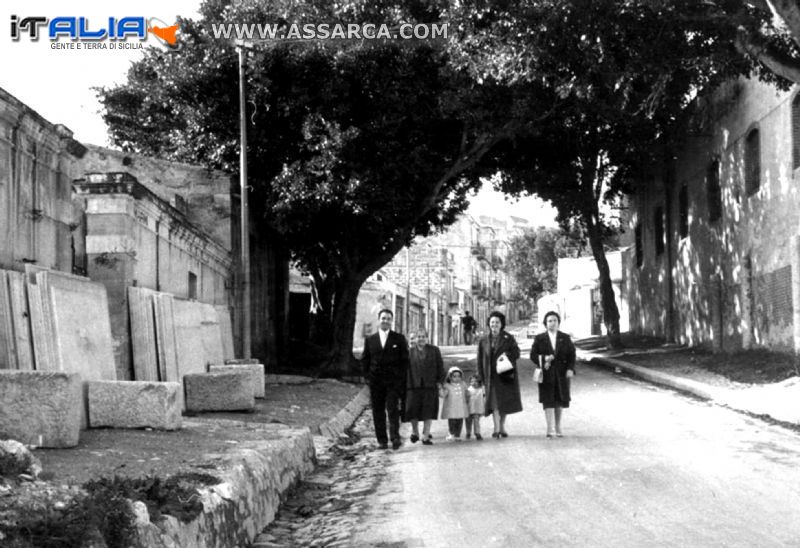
(254,477)
(345,418)
(699,389)
(759,402)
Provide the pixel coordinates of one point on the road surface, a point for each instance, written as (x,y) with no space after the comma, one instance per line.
(638,466)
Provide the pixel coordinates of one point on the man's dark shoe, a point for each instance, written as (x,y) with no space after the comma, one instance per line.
(383,445)
(396,444)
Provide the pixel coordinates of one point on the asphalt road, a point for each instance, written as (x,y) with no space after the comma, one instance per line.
(638,466)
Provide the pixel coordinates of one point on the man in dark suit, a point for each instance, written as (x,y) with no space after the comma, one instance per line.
(385,362)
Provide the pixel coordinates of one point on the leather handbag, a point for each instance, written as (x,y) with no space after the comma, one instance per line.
(503,364)
(538,373)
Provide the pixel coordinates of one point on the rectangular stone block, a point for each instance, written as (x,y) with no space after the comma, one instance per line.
(256,371)
(8,353)
(20,319)
(165,338)
(41,408)
(198,336)
(143,334)
(135,404)
(226,329)
(219,391)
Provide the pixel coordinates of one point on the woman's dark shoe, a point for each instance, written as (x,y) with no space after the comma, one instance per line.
(503,434)
(496,435)
(427,441)
(478,437)
(414,438)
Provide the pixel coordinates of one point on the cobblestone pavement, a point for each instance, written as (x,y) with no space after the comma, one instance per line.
(324,510)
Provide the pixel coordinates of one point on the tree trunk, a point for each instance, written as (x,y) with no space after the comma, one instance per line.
(610,310)
(341,361)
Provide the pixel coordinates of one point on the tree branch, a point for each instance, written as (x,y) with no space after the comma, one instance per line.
(781,64)
(789,11)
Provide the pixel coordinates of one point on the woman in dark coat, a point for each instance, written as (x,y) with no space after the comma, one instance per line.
(558,367)
(425,375)
(502,390)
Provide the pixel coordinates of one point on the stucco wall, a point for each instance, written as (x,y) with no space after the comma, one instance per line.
(731,278)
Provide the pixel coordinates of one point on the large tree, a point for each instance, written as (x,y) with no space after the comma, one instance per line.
(624,73)
(354,149)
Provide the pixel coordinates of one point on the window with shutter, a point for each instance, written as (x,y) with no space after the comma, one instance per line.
(658,225)
(752,162)
(713,192)
(796,132)
(639,244)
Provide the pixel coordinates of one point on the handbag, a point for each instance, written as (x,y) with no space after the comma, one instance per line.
(538,372)
(503,364)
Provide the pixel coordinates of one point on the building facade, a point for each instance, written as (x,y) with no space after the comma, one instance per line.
(716,257)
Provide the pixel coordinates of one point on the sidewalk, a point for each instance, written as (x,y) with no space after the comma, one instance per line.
(239,465)
(775,401)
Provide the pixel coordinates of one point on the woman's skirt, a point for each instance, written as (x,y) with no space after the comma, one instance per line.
(421,404)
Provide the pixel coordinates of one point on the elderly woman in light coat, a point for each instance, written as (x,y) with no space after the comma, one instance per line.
(502,389)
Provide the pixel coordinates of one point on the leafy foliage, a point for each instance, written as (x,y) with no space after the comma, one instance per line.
(354,149)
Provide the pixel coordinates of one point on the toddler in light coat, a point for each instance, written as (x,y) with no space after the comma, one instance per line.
(476,396)
(455,406)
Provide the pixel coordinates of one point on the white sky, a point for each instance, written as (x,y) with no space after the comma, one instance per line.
(58,83)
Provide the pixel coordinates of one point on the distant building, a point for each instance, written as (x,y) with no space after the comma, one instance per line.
(578,299)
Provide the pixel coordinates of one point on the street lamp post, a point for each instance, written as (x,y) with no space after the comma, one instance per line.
(244,221)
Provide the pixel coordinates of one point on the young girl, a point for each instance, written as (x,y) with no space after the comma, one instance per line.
(455,407)
(476,396)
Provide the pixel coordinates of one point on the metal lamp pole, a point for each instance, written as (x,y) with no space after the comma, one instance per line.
(245,228)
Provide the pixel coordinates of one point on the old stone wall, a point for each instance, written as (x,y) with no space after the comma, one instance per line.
(721,280)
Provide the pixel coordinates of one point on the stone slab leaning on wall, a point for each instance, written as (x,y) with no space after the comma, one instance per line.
(41,408)
(135,404)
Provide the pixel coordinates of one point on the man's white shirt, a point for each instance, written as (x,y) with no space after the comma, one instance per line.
(383,335)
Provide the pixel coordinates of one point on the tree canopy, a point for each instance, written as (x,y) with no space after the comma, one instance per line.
(623,74)
(354,149)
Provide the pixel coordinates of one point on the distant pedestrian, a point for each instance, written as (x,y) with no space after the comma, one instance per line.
(502,389)
(554,352)
(385,363)
(476,396)
(425,376)
(455,407)
(469,324)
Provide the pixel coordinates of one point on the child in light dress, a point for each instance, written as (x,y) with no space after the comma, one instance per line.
(477,406)
(455,407)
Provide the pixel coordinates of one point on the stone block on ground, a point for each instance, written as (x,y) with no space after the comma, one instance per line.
(135,404)
(219,391)
(41,408)
(234,361)
(255,370)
